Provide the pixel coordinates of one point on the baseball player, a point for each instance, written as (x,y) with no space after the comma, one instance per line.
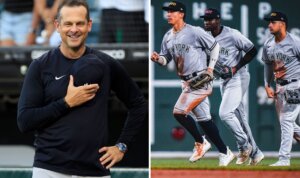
(281,55)
(185,44)
(234,83)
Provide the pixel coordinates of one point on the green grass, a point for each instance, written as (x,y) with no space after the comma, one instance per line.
(212,164)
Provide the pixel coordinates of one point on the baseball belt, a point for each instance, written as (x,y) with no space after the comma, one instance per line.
(283,82)
(190,76)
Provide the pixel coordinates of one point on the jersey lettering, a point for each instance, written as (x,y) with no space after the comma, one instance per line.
(224,51)
(181,49)
(280,57)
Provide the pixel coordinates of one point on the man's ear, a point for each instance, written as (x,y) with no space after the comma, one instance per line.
(90,22)
(56,24)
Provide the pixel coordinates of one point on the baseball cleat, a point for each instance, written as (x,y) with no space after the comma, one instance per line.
(199,150)
(243,155)
(225,159)
(258,157)
(281,163)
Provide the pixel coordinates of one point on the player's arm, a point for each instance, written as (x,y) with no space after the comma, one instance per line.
(164,57)
(160,59)
(208,42)
(244,44)
(248,57)
(268,74)
(268,78)
(214,56)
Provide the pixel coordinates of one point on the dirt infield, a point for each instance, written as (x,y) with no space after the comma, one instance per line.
(222,174)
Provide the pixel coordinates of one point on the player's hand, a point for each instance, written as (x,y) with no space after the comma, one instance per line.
(270,92)
(210,70)
(233,69)
(79,95)
(111,156)
(154,56)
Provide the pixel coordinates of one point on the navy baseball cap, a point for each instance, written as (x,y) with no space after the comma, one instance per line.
(88,69)
(211,13)
(175,6)
(276,16)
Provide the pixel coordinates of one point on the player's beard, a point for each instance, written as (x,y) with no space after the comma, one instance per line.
(274,32)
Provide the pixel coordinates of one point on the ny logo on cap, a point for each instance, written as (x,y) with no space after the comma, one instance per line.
(172,4)
(273,14)
(208,11)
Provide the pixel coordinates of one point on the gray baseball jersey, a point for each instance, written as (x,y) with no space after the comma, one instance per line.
(284,58)
(187,48)
(232,44)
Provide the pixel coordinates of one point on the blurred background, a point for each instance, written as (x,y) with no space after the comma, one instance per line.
(120,29)
(168,138)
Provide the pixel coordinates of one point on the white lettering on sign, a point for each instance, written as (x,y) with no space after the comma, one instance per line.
(198,9)
(262,35)
(264,8)
(116,53)
(226,11)
(165,13)
(37,53)
(295,31)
